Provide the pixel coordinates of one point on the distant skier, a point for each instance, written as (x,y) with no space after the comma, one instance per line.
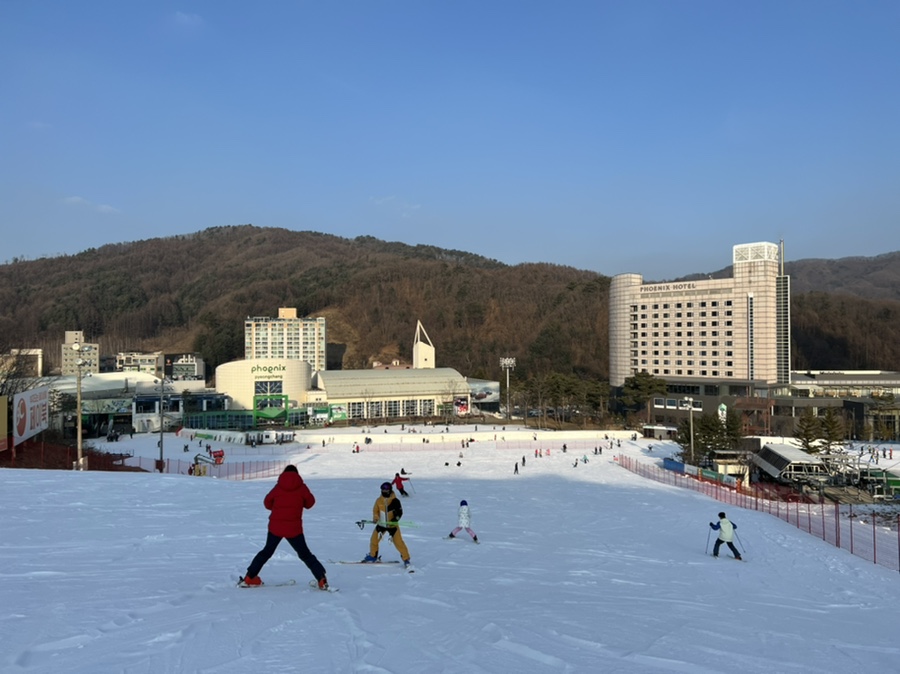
(398,483)
(464,522)
(287,501)
(726,528)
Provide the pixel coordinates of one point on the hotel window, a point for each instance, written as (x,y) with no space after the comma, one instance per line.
(729,354)
(714,324)
(689,314)
(665,306)
(690,373)
(689,324)
(678,305)
(702,314)
(643,307)
(677,314)
(703,304)
(677,371)
(702,373)
(714,304)
(702,363)
(715,373)
(689,343)
(655,307)
(728,323)
(713,313)
(634,353)
(678,362)
(690,353)
(728,363)
(729,374)
(643,326)
(655,317)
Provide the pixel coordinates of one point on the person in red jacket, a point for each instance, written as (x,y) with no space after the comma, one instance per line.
(398,483)
(287,500)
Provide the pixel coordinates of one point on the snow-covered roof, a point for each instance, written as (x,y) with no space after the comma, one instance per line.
(343,384)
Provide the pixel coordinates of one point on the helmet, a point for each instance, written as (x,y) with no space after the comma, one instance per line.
(385,486)
(463,503)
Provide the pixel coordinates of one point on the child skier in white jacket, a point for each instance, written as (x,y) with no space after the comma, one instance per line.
(464,522)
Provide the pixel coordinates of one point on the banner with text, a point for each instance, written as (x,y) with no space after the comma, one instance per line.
(31,414)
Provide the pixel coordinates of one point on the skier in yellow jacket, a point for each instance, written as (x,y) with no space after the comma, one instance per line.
(387,512)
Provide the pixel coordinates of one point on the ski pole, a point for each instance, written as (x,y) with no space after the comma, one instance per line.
(708,532)
(412,485)
(738,539)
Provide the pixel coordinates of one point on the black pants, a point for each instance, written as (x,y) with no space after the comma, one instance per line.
(718,544)
(299,545)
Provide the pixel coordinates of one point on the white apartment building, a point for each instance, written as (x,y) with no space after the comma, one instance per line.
(134,361)
(88,354)
(728,334)
(286,337)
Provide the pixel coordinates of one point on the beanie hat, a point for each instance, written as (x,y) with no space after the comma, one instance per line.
(463,503)
(290,468)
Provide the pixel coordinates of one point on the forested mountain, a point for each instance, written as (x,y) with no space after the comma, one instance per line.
(193,293)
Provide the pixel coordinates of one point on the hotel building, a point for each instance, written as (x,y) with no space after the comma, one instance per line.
(711,337)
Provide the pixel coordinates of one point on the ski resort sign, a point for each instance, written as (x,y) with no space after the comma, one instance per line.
(31,414)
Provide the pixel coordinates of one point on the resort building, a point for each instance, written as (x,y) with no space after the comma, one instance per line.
(287,337)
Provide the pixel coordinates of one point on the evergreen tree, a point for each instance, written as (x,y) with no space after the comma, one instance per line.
(808,431)
(637,390)
(831,429)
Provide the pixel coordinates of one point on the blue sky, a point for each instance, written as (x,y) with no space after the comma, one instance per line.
(640,137)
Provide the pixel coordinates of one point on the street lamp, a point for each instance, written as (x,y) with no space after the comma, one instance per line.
(507,364)
(161,464)
(690,403)
(80,363)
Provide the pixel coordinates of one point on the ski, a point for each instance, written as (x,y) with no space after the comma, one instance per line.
(281,584)
(314,584)
(378,563)
(451,538)
(729,557)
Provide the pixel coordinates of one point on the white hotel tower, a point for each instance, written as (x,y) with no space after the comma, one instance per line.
(731,333)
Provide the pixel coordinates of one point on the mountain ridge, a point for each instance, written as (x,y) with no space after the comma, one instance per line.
(193,292)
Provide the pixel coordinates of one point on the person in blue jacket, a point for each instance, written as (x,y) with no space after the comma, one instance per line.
(726,528)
